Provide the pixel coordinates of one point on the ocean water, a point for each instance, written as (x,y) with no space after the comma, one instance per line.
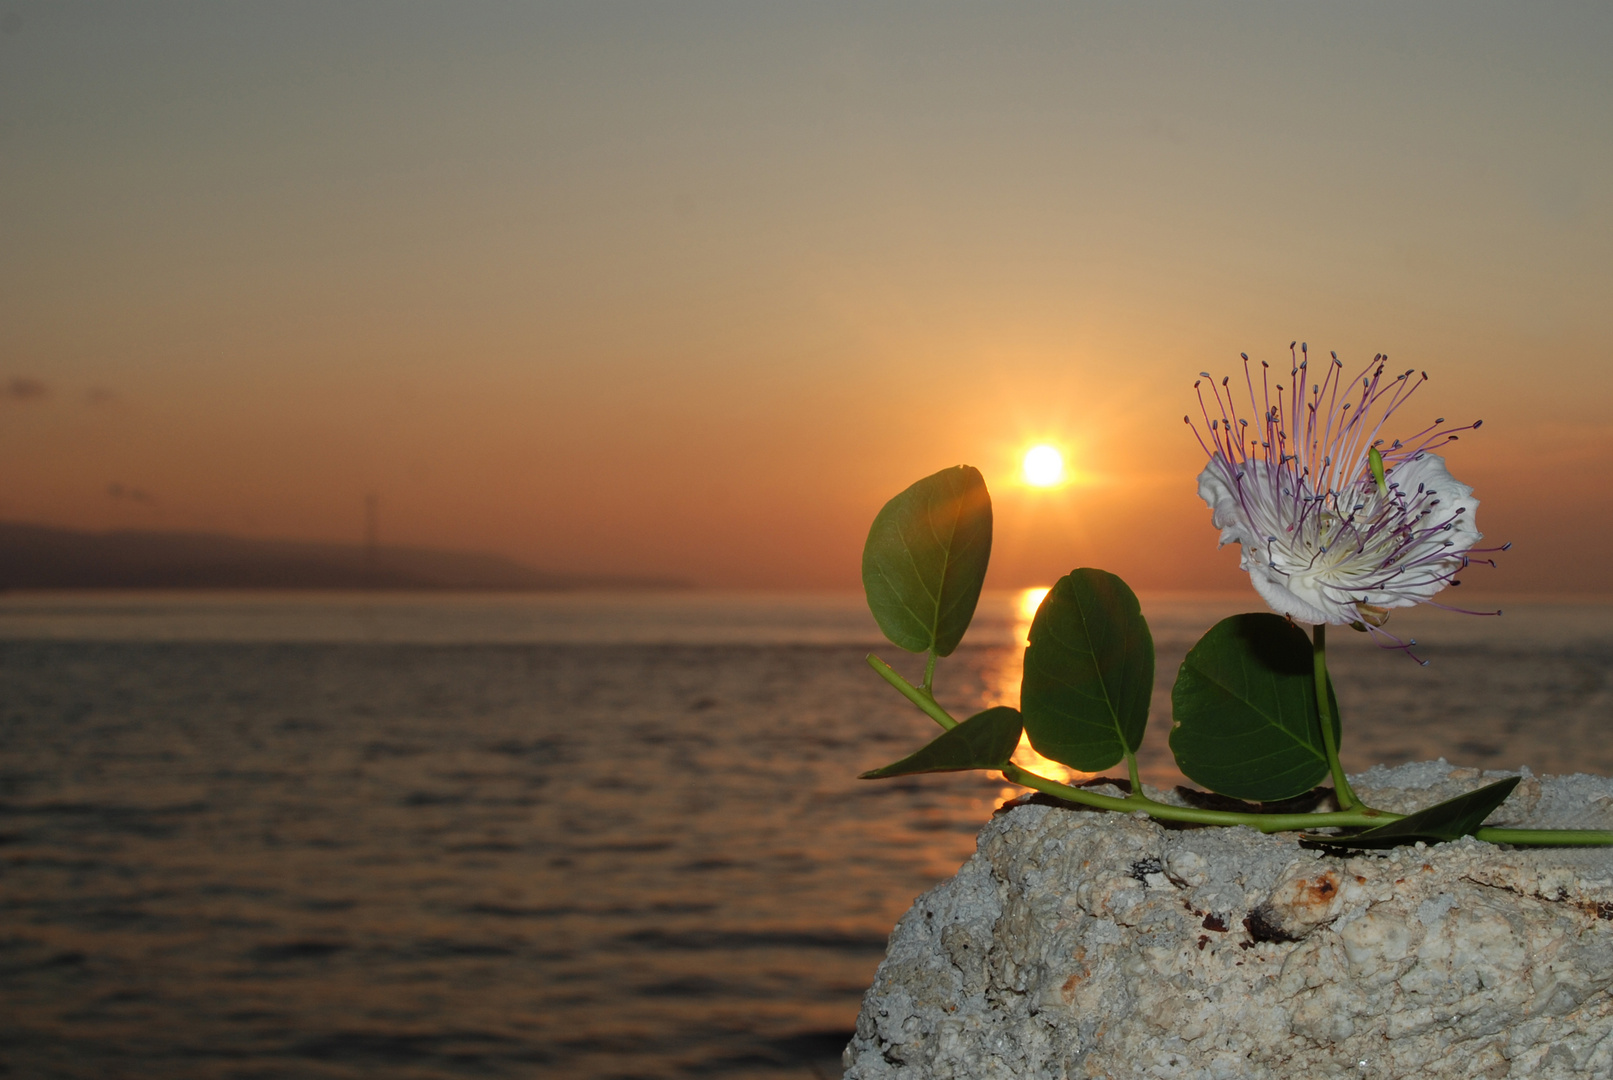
(585,836)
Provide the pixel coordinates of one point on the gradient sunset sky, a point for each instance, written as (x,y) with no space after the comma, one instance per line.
(691,289)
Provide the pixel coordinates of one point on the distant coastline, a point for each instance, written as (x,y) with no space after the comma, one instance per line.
(42,557)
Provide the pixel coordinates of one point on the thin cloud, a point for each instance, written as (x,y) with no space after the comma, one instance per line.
(100,395)
(23,388)
(119,491)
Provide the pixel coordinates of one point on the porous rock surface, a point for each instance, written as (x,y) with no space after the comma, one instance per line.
(1087,944)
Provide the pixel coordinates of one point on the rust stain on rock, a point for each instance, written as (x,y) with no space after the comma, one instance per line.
(1600,909)
(1067,991)
(1321,892)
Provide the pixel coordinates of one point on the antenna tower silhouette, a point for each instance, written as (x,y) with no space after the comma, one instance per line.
(372,538)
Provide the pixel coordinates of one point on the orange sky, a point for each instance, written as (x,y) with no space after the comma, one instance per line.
(691,289)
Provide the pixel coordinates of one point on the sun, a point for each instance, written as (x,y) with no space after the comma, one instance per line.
(1044,466)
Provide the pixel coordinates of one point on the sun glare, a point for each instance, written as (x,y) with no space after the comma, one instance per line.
(1044,466)
(1003,689)
(1029,601)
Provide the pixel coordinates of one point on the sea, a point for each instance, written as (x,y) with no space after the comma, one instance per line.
(581,835)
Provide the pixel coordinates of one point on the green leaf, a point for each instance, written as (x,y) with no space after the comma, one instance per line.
(1449,820)
(925,560)
(984,741)
(1245,722)
(1089,672)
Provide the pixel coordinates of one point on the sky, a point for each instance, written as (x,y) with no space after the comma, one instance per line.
(691,289)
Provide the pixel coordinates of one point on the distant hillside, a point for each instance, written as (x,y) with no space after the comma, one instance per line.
(36,557)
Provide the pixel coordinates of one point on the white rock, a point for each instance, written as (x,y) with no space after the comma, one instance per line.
(1084,944)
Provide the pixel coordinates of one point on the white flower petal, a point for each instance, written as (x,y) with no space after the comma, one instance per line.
(1320,539)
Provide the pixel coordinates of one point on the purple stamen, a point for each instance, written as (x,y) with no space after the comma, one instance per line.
(1308,497)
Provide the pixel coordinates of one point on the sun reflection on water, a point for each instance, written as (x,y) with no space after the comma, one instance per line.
(1029,601)
(1003,689)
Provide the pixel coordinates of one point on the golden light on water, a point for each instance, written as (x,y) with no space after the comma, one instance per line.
(1025,605)
(1026,757)
(1029,601)
(1043,466)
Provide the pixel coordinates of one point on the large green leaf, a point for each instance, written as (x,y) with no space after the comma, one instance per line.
(926,558)
(1449,820)
(1089,672)
(1244,710)
(984,741)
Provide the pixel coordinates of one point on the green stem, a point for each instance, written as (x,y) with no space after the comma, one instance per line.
(1137,800)
(929,674)
(924,700)
(1131,770)
(1163,812)
(1270,823)
(1547,837)
(1266,823)
(1341,785)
